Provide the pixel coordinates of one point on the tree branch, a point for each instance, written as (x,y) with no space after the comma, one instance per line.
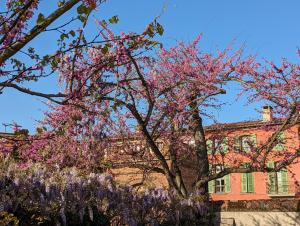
(36,30)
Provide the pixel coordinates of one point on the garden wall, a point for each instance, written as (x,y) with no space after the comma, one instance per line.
(275,212)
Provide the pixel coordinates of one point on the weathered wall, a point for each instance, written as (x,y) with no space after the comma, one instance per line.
(136,178)
(259,218)
(270,212)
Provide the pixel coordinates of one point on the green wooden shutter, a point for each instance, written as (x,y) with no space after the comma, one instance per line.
(253,140)
(244,182)
(272,179)
(211,184)
(271,164)
(227,183)
(209,146)
(283,187)
(224,145)
(250,179)
(237,144)
(280,146)
(247,182)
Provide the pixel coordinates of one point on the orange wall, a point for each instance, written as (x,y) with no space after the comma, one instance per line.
(134,176)
(261,179)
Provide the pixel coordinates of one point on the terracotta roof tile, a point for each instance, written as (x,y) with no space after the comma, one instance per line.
(242,125)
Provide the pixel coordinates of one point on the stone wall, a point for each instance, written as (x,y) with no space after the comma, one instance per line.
(274,212)
(258,219)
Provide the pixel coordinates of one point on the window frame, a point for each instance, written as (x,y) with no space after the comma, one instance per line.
(225,187)
(217,145)
(280,146)
(278,184)
(221,186)
(240,143)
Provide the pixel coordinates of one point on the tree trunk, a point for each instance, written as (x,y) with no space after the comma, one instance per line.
(175,168)
(200,148)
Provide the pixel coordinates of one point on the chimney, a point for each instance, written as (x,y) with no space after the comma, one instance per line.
(267,114)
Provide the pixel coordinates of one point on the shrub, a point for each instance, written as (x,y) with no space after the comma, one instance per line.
(38,196)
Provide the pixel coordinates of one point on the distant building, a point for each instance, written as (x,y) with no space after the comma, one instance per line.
(226,149)
(256,185)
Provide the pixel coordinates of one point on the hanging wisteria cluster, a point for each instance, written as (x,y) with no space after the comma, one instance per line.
(59,197)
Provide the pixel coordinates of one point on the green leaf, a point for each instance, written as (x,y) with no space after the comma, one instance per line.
(104,22)
(61,3)
(82,18)
(114,20)
(45,60)
(54,63)
(62,37)
(40,19)
(31,50)
(82,9)
(160,29)
(150,30)
(84,39)
(72,33)
(105,49)
(20,3)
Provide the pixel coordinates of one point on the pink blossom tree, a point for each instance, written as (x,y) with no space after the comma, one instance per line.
(168,96)
(81,116)
(24,21)
(121,101)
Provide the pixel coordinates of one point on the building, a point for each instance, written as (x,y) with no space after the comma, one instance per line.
(257,185)
(233,147)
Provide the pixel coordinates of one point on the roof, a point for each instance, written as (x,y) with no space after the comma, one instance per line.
(211,128)
(242,125)
(3,134)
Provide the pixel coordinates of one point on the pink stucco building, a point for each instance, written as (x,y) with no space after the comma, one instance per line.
(257,185)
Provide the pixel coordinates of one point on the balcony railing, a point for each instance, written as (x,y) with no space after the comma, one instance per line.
(281,190)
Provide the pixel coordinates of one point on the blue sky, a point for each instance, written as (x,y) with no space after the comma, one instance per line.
(268,28)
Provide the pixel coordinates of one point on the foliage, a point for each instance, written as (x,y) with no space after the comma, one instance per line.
(40,196)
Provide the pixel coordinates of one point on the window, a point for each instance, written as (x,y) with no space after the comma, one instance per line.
(245,143)
(280,142)
(220,182)
(220,185)
(217,145)
(277,181)
(247,182)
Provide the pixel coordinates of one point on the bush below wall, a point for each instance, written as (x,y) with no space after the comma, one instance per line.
(39,196)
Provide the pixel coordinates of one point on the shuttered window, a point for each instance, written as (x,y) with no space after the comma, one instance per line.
(227,183)
(220,185)
(247,182)
(217,145)
(277,181)
(271,179)
(211,184)
(209,146)
(245,142)
(280,145)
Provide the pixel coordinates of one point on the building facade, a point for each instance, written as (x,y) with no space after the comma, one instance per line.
(255,185)
(233,144)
